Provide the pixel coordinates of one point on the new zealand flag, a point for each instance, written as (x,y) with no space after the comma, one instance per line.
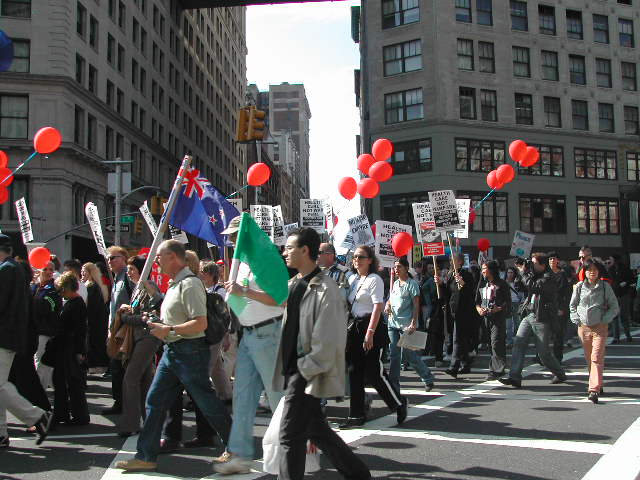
(201,209)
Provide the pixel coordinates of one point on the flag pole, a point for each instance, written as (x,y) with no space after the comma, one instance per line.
(162,227)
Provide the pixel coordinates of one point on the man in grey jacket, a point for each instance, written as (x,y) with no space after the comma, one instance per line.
(310,362)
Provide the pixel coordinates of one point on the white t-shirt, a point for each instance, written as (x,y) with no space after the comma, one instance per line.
(255,312)
(364,293)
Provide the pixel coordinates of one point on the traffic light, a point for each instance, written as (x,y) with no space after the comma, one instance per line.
(243,125)
(137,226)
(256,124)
(156,205)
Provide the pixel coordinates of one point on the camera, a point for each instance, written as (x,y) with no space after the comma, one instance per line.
(528,264)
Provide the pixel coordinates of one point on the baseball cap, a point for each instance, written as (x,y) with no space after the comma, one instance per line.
(234,226)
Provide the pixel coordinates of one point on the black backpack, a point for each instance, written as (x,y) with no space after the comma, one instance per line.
(218,317)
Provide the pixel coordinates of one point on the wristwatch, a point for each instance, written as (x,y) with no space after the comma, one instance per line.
(172,329)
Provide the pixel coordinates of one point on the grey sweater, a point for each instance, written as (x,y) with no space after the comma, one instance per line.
(593,304)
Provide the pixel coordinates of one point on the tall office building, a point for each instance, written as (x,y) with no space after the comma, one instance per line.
(141,80)
(453,82)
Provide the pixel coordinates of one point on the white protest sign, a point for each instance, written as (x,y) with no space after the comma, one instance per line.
(464,206)
(176,233)
(263,215)
(445,210)
(278,226)
(312,214)
(384,236)
(328,215)
(236,202)
(425,225)
(522,244)
(359,233)
(91,211)
(24,220)
(151,222)
(290,227)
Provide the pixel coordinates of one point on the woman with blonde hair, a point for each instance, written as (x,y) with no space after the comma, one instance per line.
(193,261)
(98,316)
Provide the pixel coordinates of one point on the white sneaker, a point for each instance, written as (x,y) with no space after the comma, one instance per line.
(235,465)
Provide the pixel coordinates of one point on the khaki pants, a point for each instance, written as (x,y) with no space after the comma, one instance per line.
(219,376)
(594,341)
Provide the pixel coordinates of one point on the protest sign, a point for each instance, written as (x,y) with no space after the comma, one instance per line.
(359,233)
(151,222)
(24,221)
(91,211)
(384,235)
(424,222)
(288,228)
(435,248)
(417,253)
(464,205)
(263,215)
(312,214)
(522,244)
(236,202)
(445,210)
(278,226)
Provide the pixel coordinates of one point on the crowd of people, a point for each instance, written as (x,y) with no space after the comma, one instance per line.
(340,327)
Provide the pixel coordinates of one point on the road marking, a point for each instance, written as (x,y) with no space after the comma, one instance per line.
(623,460)
(606,374)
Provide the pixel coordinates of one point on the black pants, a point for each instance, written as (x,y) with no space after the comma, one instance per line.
(173,425)
(23,375)
(302,420)
(367,367)
(461,339)
(97,336)
(436,330)
(70,386)
(497,329)
(117,375)
(558,331)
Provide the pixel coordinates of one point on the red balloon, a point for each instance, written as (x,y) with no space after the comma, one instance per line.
(373,229)
(472,217)
(39,257)
(381,171)
(492,180)
(402,243)
(4,195)
(530,157)
(368,187)
(382,149)
(47,140)
(484,244)
(258,174)
(348,187)
(364,162)
(517,149)
(4,159)
(4,173)
(505,173)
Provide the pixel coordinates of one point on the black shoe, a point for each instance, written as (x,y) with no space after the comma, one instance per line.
(555,379)
(74,422)
(428,387)
(510,381)
(593,397)
(4,442)
(401,411)
(42,426)
(493,376)
(168,445)
(465,370)
(451,372)
(115,409)
(197,442)
(351,422)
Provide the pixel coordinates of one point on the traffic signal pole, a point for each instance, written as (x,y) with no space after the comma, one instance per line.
(118,194)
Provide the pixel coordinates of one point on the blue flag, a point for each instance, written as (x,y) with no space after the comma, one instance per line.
(201,210)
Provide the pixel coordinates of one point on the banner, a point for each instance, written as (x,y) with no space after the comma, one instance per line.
(522,244)
(263,215)
(359,233)
(384,235)
(425,225)
(289,227)
(464,206)
(312,214)
(24,220)
(278,226)
(91,211)
(151,222)
(445,210)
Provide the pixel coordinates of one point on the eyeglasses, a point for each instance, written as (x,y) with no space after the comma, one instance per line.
(112,257)
(360,257)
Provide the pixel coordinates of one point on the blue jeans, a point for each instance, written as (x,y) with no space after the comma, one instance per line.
(513,322)
(411,356)
(255,364)
(185,362)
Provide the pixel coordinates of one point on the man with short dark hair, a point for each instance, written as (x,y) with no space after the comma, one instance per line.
(310,362)
(327,261)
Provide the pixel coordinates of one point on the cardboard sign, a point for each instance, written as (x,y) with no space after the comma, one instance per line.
(417,253)
(522,244)
(263,215)
(24,220)
(312,214)
(436,248)
(464,206)
(445,210)
(151,222)
(289,227)
(278,226)
(384,235)
(359,233)
(425,224)
(91,211)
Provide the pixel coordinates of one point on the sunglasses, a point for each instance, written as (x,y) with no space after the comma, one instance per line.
(113,257)
(360,257)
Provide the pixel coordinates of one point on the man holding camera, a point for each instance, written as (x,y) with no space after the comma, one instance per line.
(539,311)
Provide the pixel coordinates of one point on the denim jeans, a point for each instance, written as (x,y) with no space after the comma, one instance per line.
(255,364)
(541,334)
(513,322)
(411,356)
(185,362)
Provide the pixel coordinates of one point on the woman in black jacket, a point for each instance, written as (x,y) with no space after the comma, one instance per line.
(98,316)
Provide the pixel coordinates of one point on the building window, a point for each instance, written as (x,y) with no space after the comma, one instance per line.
(521,66)
(552,112)
(631,120)
(489,105)
(413,156)
(81,20)
(21,55)
(597,164)
(78,126)
(403,106)
(580,114)
(122,11)
(399,12)
(605,117)
(463,11)
(492,215)
(603,72)
(574,24)
(80,67)
(547,15)
(549,65)
(519,19)
(402,57)
(15,8)
(108,143)
(577,70)
(93,80)
(625,2)
(111,49)
(634,217)
(467,98)
(110,93)
(399,208)
(633,166)
(551,163)
(119,101)
(625,32)
(524,109)
(93,32)
(484,10)
(487,57)
(600,28)
(465,54)
(546,214)
(598,216)
(14,116)
(629,76)
(121,59)
(478,155)
(92,132)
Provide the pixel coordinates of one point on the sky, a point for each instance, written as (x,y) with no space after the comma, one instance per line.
(311,44)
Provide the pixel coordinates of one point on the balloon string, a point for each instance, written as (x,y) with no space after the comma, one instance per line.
(237,192)
(19,167)
(477,205)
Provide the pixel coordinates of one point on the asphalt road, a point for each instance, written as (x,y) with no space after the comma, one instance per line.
(464,429)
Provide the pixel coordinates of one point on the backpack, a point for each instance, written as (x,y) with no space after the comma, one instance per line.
(218,317)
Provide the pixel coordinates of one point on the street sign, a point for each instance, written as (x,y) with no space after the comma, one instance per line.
(128,219)
(112,228)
